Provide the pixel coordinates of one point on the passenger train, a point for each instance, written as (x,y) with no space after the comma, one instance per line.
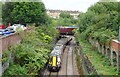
(54,63)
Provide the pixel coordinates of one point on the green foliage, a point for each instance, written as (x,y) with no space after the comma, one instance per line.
(85,20)
(47,33)
(100,63)
(65,20)
(6,12)
(0,11)
(15,69)
(100,22)
(65,15)
(24,12)
(31,56)
(5,56)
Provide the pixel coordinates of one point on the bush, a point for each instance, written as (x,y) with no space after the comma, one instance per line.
(16,69)
(100,22)
(30,55)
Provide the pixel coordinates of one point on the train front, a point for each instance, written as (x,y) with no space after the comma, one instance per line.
(54,63)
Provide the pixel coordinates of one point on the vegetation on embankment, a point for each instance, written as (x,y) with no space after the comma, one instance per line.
(30,55)
(100,22)
(100,63)
(79,63)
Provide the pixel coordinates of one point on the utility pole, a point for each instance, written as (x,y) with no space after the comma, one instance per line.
(119,35)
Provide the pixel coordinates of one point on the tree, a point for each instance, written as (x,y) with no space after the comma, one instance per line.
(0,12)
(65,15)
(101,21)
(24,12)
(6,12)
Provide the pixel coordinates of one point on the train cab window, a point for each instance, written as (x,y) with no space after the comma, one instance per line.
(50,60)
(58,59)
(57,47)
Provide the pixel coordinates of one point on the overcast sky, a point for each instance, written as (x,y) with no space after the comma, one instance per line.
(80,5)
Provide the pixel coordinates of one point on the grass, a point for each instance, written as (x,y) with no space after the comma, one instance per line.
(79,65)
(101,63)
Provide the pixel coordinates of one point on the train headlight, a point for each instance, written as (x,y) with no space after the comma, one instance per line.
(58,63)
(50,62)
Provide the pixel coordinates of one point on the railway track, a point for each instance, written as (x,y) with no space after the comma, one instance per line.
(69,66)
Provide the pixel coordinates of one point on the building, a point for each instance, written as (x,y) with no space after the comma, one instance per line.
(56,13)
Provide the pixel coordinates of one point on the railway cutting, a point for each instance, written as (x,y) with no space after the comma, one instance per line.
(67,58)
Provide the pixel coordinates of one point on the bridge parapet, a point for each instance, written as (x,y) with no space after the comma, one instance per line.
(66,30)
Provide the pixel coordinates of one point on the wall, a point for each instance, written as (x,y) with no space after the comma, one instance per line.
(85,65)
(8,41)
(112,51)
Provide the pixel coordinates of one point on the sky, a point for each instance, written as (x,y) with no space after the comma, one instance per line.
(79,5)
(75,5)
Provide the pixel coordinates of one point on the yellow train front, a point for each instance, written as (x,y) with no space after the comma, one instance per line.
(54,63)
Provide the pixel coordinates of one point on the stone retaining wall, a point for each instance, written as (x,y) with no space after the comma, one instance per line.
(87,67)
(112,51)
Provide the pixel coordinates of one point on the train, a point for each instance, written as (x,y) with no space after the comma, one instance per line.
(55,58)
